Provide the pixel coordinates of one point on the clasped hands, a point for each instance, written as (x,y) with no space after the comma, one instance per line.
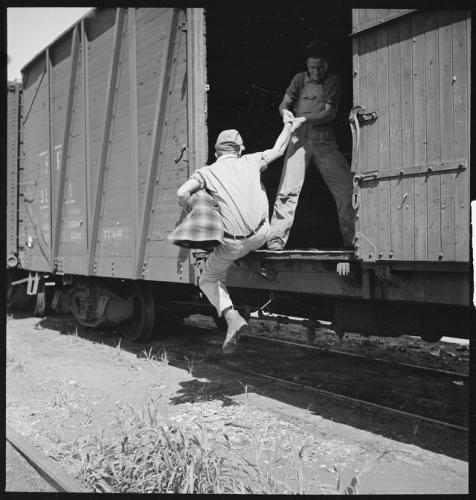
(288,117)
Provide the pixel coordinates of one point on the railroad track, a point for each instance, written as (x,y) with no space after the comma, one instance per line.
(363,356)
(357,401)
(46,468)
(423,375)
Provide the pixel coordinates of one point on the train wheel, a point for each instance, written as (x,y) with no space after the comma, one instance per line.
(141,326)
(431,335)
(433,326)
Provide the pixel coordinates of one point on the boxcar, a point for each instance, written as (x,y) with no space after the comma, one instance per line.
(119,110)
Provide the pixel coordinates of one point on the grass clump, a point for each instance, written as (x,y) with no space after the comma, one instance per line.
(143,455)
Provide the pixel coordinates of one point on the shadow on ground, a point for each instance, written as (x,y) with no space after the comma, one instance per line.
(218,377)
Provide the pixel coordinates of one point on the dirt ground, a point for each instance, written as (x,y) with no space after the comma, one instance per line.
(65,384)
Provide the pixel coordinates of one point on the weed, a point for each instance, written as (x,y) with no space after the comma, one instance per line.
(63,398)
(144,455)
(245,388)
(117,351)
(76,339)
(190,364)
(353,487)
(151,358)
(163,359)
(416,425)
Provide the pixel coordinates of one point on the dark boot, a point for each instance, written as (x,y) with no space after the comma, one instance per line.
(237,325)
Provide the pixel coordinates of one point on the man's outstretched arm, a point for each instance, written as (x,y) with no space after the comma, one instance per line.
(281,143)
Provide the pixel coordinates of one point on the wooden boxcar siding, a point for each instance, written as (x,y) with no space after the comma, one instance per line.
(34,181)
(174,138)
(415,72)
(117,99)
(68,136)
(13,121)
(367,18)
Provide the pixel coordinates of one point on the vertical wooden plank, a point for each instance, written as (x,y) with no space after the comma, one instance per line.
(66,140)
(355,71)
(383,130)
(154,160)
(362,18)
(371,223)
(407,203)
(87,138)
(461,125)
(134,170)
(355,19)
(419,117)
(363,160)
(49,112)
(395,146)
(196,94)
(432,134)
(445,48)
(13,128)
(197,133)
(360,98)
(356,100)
(110,98)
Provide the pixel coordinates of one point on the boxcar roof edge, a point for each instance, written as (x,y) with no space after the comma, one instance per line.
(59,37)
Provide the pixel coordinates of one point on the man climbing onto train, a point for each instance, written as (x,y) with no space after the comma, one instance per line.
(314,97)
(234,182)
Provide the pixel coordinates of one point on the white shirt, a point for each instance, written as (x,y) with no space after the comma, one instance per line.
(235,183)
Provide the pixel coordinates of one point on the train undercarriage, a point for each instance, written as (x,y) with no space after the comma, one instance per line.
(139,309)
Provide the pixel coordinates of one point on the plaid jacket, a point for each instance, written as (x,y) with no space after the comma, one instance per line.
(203,226)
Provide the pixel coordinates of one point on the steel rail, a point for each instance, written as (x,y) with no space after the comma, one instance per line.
(353,400)
(369,358)
(45,467)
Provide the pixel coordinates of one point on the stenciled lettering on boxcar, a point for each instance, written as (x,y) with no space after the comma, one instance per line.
(114,234)
(58,152)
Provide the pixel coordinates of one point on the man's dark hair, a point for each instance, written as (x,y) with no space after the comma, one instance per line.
(317,48)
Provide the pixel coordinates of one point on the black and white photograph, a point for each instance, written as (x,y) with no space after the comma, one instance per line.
(238,247)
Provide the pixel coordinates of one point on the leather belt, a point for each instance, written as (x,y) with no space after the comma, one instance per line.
(249,235)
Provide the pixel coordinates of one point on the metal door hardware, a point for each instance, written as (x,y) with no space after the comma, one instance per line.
(365,117)
(182,150)
(32,286)
(446,166)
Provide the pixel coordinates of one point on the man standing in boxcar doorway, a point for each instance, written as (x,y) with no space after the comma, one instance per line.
(235,184)
(314,97)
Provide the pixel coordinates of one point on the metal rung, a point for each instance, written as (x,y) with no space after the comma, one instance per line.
(18,282)
(32,286)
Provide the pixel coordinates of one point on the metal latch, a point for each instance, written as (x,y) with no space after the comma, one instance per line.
(367,176)
(365,117)
(183,148)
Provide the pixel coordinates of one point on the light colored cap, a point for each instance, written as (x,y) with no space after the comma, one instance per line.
(229,140)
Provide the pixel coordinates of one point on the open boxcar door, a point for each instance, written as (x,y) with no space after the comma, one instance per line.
(411,89)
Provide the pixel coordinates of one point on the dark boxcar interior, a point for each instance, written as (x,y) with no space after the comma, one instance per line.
(252,55)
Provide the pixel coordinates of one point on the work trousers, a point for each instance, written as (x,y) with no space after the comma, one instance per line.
(334,170)
(212,280)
